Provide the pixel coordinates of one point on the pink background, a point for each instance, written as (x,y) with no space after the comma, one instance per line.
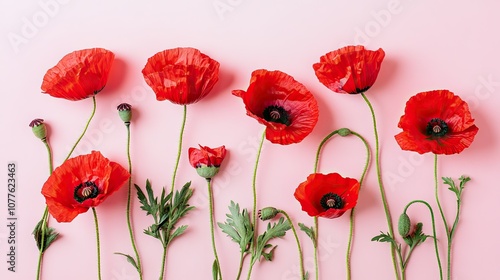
(429,45)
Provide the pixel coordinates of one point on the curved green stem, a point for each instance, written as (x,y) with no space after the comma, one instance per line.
(448,232)
(381,186)
(129,200)
(301,258)
(98,244)
(45,216)
(254,188)
(179,148)
(433,232)
(353,211)
(211,206)
(84,130)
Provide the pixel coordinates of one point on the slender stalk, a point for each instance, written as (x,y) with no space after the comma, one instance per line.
(254,189)
(211,206)
(433,232)
(84,130)
(129,200)
(316,233)
(98,243)
(179,148)
(45,216)
(353,211)
(448,232)
(163,262)
(250,269)
(301,258)
(242,257)
(254,211)
(381,186)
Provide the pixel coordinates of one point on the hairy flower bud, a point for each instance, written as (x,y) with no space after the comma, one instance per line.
(344,132)
(404,225)
(268,213)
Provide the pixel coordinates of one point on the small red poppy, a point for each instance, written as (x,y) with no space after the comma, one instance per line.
(80,183)
(79,75)
(286,107)
(206,160)
(351,69)
(181,75)
(438,122)
(328,196)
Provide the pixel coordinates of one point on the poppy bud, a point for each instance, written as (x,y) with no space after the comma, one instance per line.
(39,129)
(125,112)
(344,132)
(207,172)
(268,213)
(404,225)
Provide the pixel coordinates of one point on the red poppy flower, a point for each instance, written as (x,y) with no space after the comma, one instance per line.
(436,121)
(207,161)
(181,75)
(79,75)
(286,107)
(80,183)
(328,196)
(351,69)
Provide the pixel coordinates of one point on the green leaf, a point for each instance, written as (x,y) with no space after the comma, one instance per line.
(309,231)
(238,226)
(306,276)
(130,259)
(448,181)
(178,232)
(463,180)
(215,270)
(276,230)
(384,237)
(48,237)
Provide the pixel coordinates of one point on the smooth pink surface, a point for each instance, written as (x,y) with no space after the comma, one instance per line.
(428,44)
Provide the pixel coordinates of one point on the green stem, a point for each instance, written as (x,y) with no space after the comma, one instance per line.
(353,211)
(301,258)
(252,262)
(163,262)
(448,232)
(84,130)
(211,206)
(316,233)
(433,232)
(179,148)
(381,186)
(98,244)
(129,200)
(254,191)
(240,268)
(45,216)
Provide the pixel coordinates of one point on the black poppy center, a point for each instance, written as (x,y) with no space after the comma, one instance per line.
(85,191)
(436,128)
(277,114)
(331,200)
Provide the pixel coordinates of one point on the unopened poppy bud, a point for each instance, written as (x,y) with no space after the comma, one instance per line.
(207,172)
(344,132)
(39,129)
(267,213)
(125,112)
(404,225)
